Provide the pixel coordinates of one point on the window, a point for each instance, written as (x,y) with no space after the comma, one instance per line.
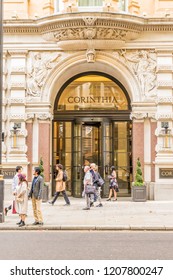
(123,5)
(85,3)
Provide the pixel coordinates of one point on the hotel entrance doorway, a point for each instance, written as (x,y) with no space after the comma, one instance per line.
(92,124)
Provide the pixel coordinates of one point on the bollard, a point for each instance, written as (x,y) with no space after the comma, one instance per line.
(1,201)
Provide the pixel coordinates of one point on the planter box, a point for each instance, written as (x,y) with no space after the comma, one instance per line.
(139,193)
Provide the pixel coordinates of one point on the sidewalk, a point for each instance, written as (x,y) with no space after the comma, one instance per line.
(120,215)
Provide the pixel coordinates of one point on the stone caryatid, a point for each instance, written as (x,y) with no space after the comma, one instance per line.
(41,65)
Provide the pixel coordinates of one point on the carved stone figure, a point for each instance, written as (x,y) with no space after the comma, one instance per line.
(143,63)
(41,65)
(90,55)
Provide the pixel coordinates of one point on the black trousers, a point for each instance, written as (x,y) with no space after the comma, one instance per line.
(64,195)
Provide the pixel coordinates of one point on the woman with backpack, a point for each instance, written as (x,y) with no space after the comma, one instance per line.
(60,185)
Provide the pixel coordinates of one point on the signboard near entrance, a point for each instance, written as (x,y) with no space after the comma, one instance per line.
(8,173)
(166,173)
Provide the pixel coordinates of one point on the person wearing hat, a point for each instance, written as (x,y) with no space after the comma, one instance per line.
(113,185)
(36,196)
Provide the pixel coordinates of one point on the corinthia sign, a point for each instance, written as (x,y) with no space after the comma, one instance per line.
(166,173)
(90,99)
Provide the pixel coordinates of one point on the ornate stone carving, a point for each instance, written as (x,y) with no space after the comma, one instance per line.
(138,116)
(29,116)
(43,116)
(89,33)
(165,99)
(164,116)
(143,64)
(91,55)
(16,101)
(41,65)
(152,116)
(17,117)
(89,20)
(163,84)
(16,84)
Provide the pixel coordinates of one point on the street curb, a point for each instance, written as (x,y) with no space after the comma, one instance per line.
(87,228)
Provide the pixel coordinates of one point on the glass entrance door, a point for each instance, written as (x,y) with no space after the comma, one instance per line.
(103,142)
(87,149)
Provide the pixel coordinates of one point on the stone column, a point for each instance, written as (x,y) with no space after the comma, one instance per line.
(29,143)
(44,142)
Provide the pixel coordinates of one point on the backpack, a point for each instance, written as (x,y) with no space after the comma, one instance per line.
(64,178)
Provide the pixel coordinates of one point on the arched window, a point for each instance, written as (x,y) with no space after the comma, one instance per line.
(92,92)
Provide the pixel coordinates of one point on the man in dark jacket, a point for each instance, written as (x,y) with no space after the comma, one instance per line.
(36,195)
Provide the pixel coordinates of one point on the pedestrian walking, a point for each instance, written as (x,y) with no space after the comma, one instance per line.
(96,176)
(113,185)
(15,182)
(88,183)
(22,198)
(60,185)
(36,196)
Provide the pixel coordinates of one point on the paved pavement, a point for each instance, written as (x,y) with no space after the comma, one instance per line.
(120,215)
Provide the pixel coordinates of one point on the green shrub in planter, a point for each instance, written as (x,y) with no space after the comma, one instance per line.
(139,192)
(138,177)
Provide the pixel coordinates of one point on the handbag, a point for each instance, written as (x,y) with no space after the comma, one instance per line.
(100,182)
(90,189)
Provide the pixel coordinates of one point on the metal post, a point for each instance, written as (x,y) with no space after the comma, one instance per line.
(1,73)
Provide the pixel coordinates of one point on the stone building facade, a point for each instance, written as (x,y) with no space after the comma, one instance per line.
(89,81)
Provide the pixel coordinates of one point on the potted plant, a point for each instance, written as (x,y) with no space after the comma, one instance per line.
(139,191)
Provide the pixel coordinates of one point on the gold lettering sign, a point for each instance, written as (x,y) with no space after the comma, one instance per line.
(166,173)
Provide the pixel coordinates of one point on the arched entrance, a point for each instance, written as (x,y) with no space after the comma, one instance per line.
(92,124)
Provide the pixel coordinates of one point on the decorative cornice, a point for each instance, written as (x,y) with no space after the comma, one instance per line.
(43,116)
(132,25)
